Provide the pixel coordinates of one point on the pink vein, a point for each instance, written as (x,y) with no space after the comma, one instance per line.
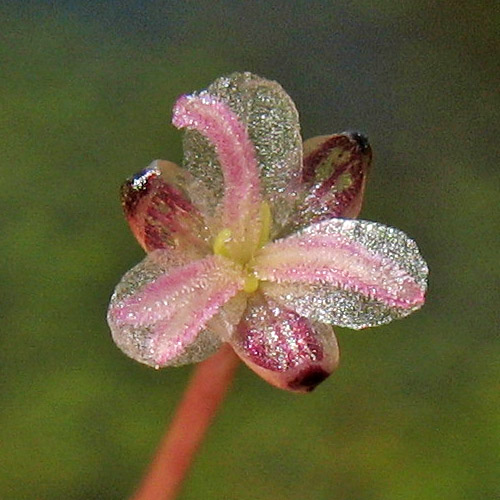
(160,299)
(193,319)
(345,264)
(221,126)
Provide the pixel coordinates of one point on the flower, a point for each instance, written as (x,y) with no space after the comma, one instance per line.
(250,243)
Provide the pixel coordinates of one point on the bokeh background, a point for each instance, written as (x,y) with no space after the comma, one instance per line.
(85,99)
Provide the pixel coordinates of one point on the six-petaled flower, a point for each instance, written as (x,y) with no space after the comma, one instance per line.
(254,243)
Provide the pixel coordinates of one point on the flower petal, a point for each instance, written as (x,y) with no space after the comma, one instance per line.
(160,212)
(347,272)
(272,122)
(284,348)
(215,120)
(334,176)
(159,310)
(224,323)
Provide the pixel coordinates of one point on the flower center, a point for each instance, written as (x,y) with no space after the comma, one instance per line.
(222,246)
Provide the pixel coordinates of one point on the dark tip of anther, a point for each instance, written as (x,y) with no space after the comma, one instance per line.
(308,379)
(143,177)
(135,187)
(139,175)
(361,140)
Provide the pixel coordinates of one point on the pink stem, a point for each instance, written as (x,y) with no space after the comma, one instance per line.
(204,394)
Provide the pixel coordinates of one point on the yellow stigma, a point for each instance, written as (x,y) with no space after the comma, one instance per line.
(220,247)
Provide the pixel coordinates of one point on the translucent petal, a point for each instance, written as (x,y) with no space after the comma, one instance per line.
(334,177)
(284,348)
(346,272)
(159,310)
(160,211)
(216,121)
(229,316)
(272,122)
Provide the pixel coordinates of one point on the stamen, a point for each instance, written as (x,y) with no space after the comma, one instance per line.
(251,283)
(220,242)
(220,247)
(265,220)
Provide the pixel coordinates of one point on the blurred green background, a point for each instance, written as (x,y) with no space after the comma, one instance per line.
(86,94)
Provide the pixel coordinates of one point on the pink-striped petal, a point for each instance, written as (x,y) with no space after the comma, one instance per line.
(271,119)
(215,120)
(284,348)
(159,310)
(346,272)
(333,177)
(160,212)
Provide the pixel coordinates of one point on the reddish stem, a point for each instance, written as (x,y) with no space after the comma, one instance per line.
(195,412)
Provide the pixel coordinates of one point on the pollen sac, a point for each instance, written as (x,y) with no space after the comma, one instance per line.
(284,348)
(159,209)
(333,177)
